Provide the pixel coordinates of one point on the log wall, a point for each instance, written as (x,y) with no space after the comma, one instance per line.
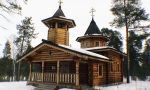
(115,74)
(112,72)
(91,42)
(99,79)
(50,54)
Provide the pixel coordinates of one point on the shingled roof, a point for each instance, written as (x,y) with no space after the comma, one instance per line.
(59,13)
(92,29)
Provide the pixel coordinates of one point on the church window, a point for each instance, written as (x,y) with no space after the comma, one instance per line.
(100,70)
(114,67)
(110,67)
(96,44)
(118,67)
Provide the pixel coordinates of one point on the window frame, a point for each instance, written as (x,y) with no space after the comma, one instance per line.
(115,67)
(102,67)
(97,42)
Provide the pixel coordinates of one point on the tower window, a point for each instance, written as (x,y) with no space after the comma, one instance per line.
(61,25)
(86,44)
(52,25)
(96,44)
(100,70)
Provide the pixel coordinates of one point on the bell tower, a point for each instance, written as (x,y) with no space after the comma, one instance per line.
(59,26)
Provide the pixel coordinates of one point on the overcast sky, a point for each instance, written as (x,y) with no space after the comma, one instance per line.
(78,10)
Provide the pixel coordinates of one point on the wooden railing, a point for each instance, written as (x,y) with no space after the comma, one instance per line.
(36,76)
(69,78)
(50,77)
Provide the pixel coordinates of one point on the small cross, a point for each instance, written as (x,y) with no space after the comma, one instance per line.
(60,2)
(92,11)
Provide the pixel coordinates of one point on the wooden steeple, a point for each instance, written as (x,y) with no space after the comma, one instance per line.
(92,36)
(59,26)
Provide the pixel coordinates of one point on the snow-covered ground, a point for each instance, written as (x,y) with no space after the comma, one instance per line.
(15,86)
(134,85)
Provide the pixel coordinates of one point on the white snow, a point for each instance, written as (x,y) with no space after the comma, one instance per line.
(84,51)
(102,47)
(134,85)
(15,86)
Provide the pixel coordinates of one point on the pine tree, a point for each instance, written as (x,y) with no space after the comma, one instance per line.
(146,59)
(7,50)
(115,38)
(6,65)
(6,69)
(128,13)
(136,41)
(23,41)
(9,7)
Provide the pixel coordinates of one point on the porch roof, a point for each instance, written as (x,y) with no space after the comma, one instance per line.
(74,51)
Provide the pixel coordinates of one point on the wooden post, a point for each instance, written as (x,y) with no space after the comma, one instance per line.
(56,25)
(30,72)
(122,69)
(77,73)
(57,72)
(42,71)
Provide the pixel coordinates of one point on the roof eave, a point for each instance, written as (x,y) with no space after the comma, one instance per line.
(45,21)
(89,36)
(108,48)
(79,54)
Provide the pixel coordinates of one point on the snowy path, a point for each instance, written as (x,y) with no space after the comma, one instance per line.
(15,86)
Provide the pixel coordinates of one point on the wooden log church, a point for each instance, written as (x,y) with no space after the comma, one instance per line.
(53,61)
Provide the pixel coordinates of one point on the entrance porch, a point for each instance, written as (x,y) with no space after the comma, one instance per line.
(59,72)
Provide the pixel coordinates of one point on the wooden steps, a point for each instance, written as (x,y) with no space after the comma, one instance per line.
(45,87)
(52,86)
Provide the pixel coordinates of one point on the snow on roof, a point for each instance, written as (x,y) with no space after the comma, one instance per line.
(84,52)
(103,47)
(106,48)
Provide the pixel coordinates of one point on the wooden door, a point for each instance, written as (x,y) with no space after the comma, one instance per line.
(83,73)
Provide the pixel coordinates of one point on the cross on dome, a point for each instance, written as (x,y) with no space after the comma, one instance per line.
(60,2)
(92,11)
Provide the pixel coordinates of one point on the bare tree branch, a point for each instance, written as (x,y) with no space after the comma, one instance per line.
(5,17)
(3,27)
